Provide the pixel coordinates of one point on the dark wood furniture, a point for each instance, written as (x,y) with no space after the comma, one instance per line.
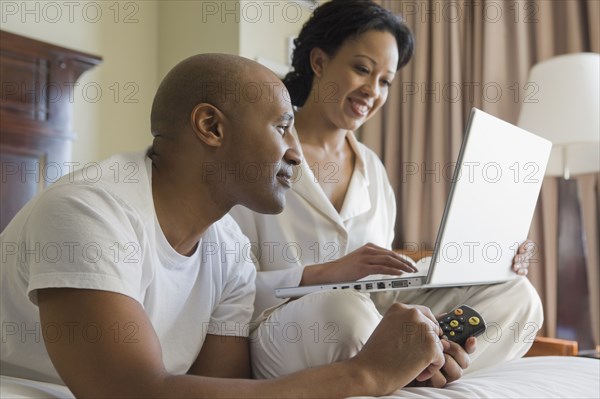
(37,92)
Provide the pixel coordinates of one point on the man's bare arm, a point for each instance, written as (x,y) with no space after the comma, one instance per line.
(224,357)
(133,367)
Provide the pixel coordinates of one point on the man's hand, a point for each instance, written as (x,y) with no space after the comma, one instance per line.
(457,359)
(404,346)
(366,260)
(521,260)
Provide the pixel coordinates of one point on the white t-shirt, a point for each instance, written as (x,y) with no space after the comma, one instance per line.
(97,229)
(310,230)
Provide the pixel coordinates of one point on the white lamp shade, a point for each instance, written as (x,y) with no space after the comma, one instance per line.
(565,109)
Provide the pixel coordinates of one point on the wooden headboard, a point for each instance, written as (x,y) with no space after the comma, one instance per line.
(38,81)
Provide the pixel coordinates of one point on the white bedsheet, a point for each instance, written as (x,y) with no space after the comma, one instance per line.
(534,377)
(531,377)
(11,387)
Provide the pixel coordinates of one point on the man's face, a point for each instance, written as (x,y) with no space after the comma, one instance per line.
(261,149)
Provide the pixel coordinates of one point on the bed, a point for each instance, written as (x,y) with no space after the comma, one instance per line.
(37,134)
(529,377)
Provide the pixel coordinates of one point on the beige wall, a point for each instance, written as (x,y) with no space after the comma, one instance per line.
(190,27)
(258,29)
(267,28)
(125,36)
(139,42)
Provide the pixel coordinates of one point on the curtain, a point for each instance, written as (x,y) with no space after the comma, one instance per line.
(478,54)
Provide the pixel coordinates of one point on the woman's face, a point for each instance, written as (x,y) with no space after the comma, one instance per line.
(353,84)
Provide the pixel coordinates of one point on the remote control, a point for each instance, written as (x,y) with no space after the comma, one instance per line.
(461,323)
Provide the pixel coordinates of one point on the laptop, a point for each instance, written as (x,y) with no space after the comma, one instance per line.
(493,194)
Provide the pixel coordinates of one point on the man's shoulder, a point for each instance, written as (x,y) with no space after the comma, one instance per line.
(122,178)
(99,187)
(119,169)
(225,242)
(228,227)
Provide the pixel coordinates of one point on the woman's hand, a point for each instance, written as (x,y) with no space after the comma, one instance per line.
(521,260)
(366,260)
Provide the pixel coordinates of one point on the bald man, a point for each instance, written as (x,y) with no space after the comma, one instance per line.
(136,283)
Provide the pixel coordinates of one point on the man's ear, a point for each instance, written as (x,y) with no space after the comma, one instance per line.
(318,61)
(206,122)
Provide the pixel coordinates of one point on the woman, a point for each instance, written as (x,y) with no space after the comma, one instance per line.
(338,221)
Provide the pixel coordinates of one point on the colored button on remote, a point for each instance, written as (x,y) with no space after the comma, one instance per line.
(462,323)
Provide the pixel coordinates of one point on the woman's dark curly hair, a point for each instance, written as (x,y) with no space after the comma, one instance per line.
(330,26)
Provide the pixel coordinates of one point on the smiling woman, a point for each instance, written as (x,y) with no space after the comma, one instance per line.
(338,224)
(352,85)
(326,31)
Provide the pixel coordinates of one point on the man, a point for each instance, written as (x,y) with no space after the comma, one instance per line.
(135,284)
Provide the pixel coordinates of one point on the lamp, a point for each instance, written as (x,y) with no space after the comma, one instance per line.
(565,110)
